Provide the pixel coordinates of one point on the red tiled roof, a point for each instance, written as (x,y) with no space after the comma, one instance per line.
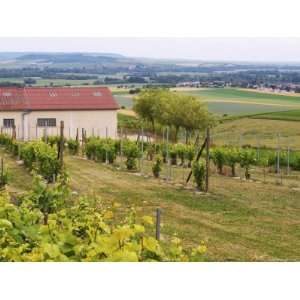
(56,98)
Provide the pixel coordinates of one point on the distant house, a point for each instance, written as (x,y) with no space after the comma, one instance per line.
(36,110)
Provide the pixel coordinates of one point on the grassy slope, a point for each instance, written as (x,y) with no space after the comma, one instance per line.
(253,131)
(238,220)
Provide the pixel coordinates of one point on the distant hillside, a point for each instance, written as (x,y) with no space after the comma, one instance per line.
(57,58)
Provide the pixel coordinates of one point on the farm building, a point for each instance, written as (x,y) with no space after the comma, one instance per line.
(35,111)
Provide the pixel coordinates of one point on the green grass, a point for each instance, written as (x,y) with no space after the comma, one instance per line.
(291,115)
(243,95)
(239,221)
(255,131)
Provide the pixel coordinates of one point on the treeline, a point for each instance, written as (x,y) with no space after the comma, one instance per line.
(234,75)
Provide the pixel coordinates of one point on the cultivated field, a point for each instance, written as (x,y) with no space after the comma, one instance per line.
(230,101)
(238,102)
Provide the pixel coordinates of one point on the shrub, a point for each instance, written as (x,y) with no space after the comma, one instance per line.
(156,169)
(110,151)
(52,140)
(3,178)
(73,146)
(131,151)
(173,154)
(247,158)
(190,154)
(164,152)
(219,159)
(181,151)
(232,157)
(5,139)
(42,157)
(101,149)
(150,151)
(90,148)
(295,161)
(84,232)
(199,174)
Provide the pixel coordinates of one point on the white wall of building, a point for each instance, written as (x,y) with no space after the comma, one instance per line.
(97,122)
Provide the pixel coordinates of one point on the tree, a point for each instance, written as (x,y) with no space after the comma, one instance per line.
(184,111)
(172,109)
(194,114)
(147,104)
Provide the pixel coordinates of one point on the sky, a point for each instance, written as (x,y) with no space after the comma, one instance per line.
(207,49)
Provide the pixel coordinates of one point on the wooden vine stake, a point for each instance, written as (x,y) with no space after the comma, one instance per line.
(82,140)
(14,133)
(157,232)
(205,145)
(61,145)
(77,140)
(2,173)
(207,169)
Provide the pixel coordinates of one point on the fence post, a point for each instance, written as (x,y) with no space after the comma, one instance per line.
(207,171)
(142,150)
(168,156)
(121,145)
(157,232)
(278,156)
(61,145)
(288,160)
(14,134)
(106,154)
(82,141)
(2,169)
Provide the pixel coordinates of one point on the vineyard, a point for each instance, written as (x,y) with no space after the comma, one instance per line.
(73,209)
(48,224)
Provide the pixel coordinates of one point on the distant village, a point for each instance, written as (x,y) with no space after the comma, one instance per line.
(274,88)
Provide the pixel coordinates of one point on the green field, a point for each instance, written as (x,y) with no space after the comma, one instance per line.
(231,94)
(241,102)
(124,100)
(292,115)
(240,109)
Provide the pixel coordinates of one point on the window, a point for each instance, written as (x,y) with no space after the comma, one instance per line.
(52,94)
(9,123)
(97,94)
(46,122)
